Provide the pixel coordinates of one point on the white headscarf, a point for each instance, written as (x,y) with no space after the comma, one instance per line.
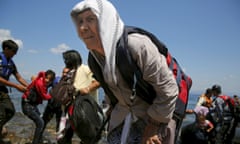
(110,29)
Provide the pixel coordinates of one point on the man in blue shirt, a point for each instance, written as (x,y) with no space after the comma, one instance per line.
(7,68)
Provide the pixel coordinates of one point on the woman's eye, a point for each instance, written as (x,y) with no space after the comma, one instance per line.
(91,19)
(80,22)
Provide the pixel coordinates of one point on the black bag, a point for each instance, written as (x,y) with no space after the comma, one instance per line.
(33,96)
(64,91)
(87,119)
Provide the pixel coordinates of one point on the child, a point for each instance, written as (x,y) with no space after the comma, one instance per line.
(201,120)
(204,124)
(200,130)
(35,94)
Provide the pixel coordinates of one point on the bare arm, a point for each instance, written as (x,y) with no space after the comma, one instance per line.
(93,86)
(19,87)
(20,79)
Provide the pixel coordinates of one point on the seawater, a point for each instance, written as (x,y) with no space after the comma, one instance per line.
(16,97)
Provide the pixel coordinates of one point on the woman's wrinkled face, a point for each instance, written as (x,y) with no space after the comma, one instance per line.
(87,28)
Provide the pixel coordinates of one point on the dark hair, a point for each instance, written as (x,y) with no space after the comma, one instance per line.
(51,73)
(10,44)
(72,59)
(217,88)
(208,91)
(235,96)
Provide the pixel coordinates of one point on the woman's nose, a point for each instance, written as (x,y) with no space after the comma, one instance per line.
(83,26)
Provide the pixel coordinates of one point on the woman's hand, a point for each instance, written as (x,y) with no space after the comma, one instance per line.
(150,135)
(154,132)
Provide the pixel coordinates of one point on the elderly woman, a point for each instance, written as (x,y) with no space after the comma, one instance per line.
(132,119)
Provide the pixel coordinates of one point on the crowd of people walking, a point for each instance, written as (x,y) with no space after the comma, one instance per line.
(220,117)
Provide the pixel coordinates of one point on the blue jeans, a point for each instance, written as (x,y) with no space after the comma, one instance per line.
(32,112)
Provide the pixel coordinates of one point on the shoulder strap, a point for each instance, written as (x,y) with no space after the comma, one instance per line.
(124,59)
(95,68)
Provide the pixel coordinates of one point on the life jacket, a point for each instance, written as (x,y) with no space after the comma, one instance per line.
(128,69)
(6,66)
(218,115)
(228,103)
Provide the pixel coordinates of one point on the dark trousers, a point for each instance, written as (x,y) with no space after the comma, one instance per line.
(231,131)
(222,136)
(51,109)
(54,108)
(33,113)
(7,110)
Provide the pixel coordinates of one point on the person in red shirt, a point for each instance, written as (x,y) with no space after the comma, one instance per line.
(36,92)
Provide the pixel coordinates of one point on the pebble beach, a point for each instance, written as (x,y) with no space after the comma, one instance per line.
(21,130)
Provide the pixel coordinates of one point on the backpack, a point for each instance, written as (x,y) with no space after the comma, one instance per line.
(143,89)
(63,92)
(146,91)
(87,119)
(33,95)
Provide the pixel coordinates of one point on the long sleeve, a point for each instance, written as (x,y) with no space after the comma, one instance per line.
(42,89)
(156,72)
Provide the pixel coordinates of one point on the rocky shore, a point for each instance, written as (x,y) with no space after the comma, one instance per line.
(21,130)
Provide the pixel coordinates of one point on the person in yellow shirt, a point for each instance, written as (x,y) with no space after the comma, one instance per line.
(85,83)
